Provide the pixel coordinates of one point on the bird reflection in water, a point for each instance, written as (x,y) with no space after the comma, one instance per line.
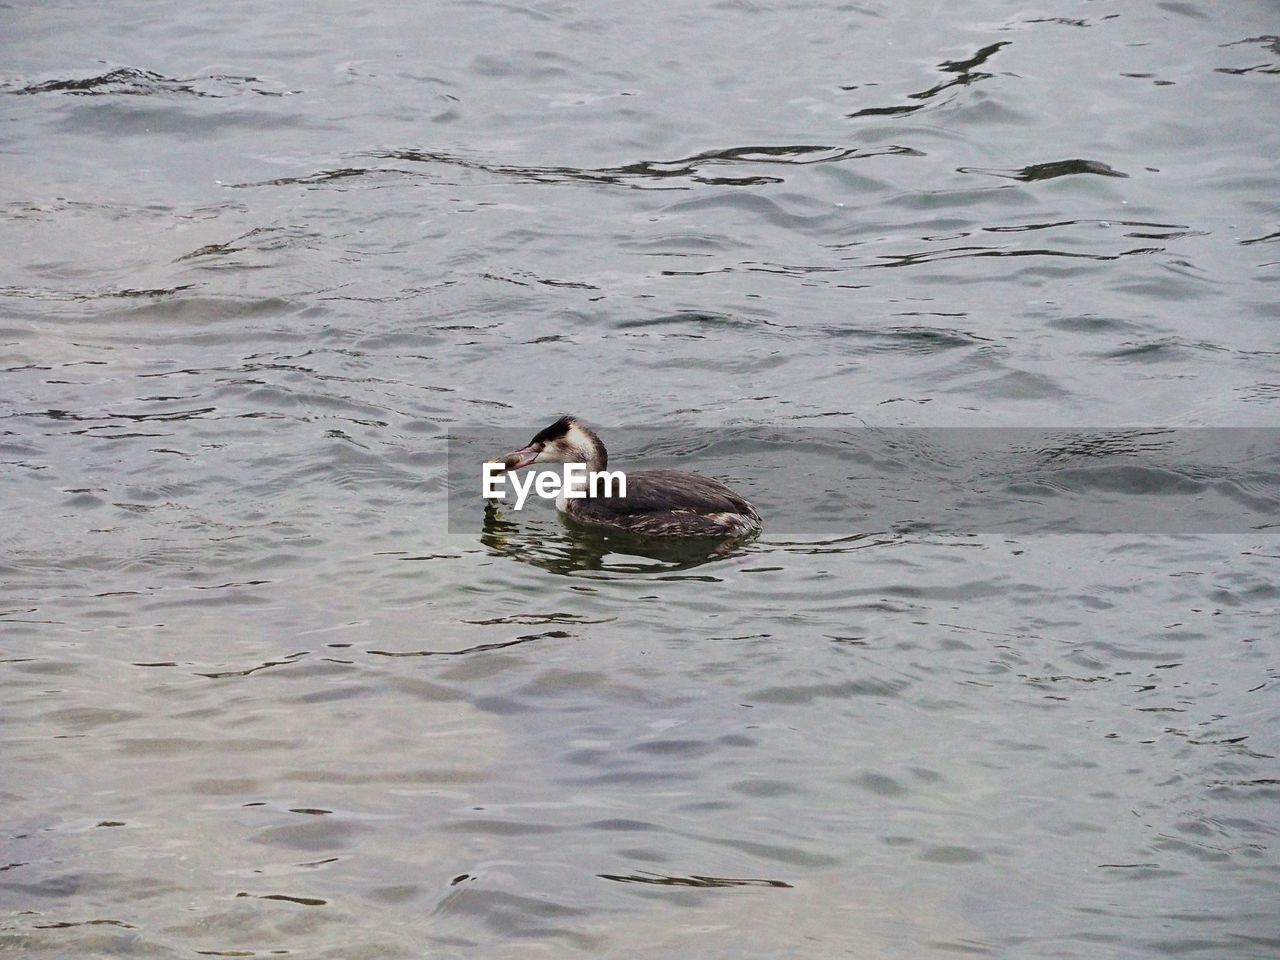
(569,548)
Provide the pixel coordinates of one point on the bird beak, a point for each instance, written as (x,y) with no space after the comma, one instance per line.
(522,458)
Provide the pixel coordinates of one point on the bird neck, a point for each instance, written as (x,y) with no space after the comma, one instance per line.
(597,457)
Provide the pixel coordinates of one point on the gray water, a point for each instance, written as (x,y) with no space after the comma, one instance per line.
(258,700)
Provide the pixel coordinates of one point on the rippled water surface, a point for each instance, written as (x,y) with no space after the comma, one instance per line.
(258,700)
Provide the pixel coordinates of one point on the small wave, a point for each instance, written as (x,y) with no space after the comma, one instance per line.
(1049,171)
(650,174)
(694,880)
(973,252)
(136,82)
(964,75)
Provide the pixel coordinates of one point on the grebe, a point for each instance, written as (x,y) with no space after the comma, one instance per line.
(659,503)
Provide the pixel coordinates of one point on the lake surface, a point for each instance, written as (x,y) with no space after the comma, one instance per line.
(261,697)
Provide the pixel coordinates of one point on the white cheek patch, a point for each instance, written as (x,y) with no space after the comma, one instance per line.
(576,440)
(553,452)
(574,447)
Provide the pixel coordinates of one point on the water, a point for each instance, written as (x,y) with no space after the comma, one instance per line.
(258,701)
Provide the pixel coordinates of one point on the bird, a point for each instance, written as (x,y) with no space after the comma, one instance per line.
(656,503)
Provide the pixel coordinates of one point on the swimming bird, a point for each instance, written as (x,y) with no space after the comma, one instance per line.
(658,503)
